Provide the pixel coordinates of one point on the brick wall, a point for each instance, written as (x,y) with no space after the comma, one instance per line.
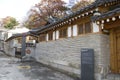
(65,53)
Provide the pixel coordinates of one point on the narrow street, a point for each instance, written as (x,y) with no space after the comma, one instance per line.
(12,69)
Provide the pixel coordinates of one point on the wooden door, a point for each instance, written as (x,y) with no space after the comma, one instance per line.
(118,50)
(115,50)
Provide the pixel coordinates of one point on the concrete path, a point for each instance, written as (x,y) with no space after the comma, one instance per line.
(12,69)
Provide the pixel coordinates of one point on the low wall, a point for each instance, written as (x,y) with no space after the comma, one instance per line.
(9,50)
(65,53)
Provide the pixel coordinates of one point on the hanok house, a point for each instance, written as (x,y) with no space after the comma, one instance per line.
(110,22)
(95,26)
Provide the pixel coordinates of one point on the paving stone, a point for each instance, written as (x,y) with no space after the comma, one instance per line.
(11,69)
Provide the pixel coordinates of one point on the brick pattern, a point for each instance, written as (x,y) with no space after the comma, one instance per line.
(65,53)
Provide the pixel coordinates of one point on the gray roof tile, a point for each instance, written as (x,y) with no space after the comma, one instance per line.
(105,15)
(89,7)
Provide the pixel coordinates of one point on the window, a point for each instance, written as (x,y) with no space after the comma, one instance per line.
(63,33)
(50,36)
(80,29)
(42,37)
(84,28)
(87,27)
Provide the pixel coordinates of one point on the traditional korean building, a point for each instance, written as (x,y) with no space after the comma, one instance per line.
(96,27)
(110,22)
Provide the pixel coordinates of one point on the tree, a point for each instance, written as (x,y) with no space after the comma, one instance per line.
(46,11)
(81,4)
(33,21)
(9,22)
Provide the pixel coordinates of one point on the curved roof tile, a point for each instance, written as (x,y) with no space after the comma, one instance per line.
(82,10)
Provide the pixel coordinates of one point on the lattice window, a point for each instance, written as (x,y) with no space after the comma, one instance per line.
(63,32)
(50,36)
(88,27)
(80,29)
(42,37)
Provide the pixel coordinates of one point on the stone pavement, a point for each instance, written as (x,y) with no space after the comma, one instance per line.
(12,69)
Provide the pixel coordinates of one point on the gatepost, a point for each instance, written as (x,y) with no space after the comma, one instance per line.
(23,45)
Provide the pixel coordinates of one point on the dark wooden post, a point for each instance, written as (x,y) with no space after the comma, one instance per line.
(23,45)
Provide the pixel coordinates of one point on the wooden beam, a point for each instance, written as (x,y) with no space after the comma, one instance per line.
(112,24)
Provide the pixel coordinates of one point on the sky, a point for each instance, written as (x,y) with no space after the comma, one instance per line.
(16,8)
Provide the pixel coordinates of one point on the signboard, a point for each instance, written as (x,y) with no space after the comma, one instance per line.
(87,64)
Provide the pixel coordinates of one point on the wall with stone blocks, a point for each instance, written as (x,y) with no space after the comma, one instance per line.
(65,53)
(9,49)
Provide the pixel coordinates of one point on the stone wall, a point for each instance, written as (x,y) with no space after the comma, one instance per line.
(10,50)
(65,53)
(9,47)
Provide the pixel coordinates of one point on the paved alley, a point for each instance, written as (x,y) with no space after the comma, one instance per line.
(12,69)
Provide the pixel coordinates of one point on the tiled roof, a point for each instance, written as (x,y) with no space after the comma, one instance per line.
(19,35)
(13,36)
(82,10)
(108,14)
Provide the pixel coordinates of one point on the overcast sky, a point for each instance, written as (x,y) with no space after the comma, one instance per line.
(16,8)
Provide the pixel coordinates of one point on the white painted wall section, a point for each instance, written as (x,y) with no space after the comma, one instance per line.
(54,35)
(9,35)
(46,37)
(75,30)
(95,27)
(2,35)
(57,34)
(69,31)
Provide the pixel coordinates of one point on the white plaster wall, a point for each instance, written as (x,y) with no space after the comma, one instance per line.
(9,35)
(75,30)
(54,35)
(46,37)
(57,34)
(69,31)
(95,27)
